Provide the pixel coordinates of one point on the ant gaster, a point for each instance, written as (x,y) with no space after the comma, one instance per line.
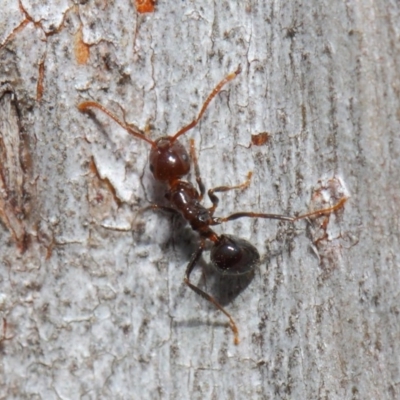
(170,162)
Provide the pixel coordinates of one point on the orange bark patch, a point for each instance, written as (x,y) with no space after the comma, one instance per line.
(145,6)
(38,24)
(260,138)
(39,86)
(82,50)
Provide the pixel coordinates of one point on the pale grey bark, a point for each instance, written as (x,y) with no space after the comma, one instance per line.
(107,314)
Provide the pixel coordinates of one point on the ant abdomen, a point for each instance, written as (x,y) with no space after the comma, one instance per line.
(232,255)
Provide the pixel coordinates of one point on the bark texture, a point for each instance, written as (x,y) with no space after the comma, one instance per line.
(92,300)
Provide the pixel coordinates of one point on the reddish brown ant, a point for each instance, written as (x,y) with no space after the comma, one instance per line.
(169,162)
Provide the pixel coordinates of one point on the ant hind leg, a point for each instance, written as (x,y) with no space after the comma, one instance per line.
(246,214)
(193,260)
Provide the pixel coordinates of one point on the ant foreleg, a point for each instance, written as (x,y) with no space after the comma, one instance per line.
(215,200)
(155,207)
(193,260)
(197,169)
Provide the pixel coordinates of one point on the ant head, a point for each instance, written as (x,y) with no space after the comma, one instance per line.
(168,159)
(232,255)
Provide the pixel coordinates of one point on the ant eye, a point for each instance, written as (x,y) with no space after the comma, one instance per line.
(151,168)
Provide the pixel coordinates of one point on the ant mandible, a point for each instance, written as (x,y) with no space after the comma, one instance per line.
(169,162)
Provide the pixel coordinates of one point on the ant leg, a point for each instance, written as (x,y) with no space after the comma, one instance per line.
(197,169)
(154,207)
(328,210)
(215,91)
(238,215)
(193,260)
(215,200)
(157,207)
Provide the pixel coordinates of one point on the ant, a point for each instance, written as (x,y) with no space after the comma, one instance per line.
(170,162)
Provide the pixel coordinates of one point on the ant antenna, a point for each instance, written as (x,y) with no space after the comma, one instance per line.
(83,107)
(207,102)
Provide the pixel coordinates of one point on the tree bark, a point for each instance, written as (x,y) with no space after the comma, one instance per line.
(92,299)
